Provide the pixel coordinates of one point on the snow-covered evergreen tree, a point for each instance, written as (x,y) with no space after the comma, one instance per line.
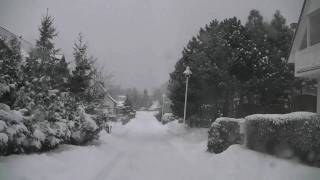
(83,73)
(10,70)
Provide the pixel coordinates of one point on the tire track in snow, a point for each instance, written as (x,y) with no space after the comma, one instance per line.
(108,167)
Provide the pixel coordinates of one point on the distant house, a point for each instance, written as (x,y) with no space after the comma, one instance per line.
(111,104)
(305,51)
(121,100)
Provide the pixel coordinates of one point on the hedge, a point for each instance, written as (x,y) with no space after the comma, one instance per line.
(223,133)
(289,135)
(293,135)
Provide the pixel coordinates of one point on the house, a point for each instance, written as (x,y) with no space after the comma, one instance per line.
(26,46)
(111,105)
(121,100)
(305,50)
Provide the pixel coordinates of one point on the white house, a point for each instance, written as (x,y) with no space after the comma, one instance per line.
(305,51)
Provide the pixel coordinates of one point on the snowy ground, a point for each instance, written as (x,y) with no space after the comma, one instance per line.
(146,150)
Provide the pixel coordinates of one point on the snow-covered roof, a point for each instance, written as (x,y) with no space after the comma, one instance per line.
(59,56)
(121,100)
(111,98)
(7,35)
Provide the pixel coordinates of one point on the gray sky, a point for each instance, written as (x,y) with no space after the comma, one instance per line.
(139,41)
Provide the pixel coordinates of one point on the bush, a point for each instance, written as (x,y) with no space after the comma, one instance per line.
(223,133)
(295,134)
(85,128)
(20,133)
(167,117)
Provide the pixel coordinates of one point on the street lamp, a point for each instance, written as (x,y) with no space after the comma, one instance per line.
(187,74)
(162,109)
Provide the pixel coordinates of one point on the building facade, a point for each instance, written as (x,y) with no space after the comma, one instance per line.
(305,51)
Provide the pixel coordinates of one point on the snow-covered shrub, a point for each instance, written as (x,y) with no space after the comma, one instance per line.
(223,133)
(13,132)
(85,128)
(285,135)
(167,117)
(17,137)
(4,107)
(4,88)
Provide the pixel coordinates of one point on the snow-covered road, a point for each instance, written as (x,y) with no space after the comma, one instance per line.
(146,150)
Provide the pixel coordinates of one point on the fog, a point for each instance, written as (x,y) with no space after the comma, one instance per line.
(138,41)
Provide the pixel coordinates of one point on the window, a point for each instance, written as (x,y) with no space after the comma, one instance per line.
(304,42)
(314,20)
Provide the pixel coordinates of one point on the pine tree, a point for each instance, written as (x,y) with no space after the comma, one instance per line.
(43,59)
(83,72)
(127,106)
(10,70)
(62,74)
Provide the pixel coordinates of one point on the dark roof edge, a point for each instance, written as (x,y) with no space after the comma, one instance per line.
(296,31)
(16,36)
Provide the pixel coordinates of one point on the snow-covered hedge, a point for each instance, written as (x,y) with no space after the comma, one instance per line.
(24,134)
(223,133)
(167,117)
(295,134)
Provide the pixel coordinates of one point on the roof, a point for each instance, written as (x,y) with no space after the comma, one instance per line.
(6,35)
(296,31)
(59,56)
(111,98)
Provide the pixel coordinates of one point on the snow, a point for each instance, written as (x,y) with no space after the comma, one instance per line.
(89,123)
(16,129)
(218,120)
(3,138)
(281,118)
(39,135)
(155,106)
(146,150)
(167,117)
(3,125)
(11,116)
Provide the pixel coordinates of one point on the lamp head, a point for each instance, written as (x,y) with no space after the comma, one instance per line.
(187,72)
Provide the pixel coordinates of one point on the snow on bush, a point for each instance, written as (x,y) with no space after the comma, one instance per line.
(85,128)
(3,139)
(223,133)
(3,126)
(294,134)
(4,88)
(39,135)
(4,107)
(41,131)
(167,117)
(11,116)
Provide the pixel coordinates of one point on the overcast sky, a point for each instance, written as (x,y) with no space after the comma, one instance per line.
(139,41)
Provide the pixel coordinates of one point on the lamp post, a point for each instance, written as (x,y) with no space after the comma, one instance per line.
(187,74)
(162,109)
